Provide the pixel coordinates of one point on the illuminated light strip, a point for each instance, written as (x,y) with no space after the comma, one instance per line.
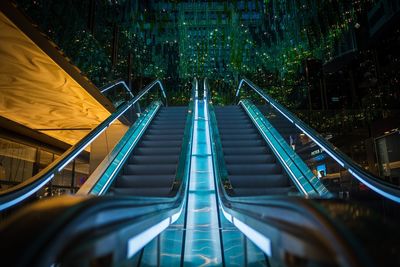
(196,92)
(326,150)
(205,90)
(120,82)
(282,113)
(226,214)
(121,114)
(374,188)
(139,241)
(276,152)
(206,117)
(126,154)
(261,241)
(176,216)
(80,150)
(27,194)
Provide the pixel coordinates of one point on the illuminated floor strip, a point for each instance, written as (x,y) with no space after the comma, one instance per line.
(202,243)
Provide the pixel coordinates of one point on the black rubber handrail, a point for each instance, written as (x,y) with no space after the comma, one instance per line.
(24,190)
(376,184)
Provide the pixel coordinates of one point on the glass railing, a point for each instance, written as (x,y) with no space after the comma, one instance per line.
(337,172)
(90,151)
(117,92)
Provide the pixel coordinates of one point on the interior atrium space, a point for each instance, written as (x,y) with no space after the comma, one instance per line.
(200,133)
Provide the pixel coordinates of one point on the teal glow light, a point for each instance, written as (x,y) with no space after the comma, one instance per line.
(202,243)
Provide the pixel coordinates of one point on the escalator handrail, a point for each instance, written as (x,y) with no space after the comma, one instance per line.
(373,182)
(115,84)
(22,191)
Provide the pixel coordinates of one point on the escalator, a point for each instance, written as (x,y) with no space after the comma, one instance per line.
(152,166)
(141,186)
(252,167)
(267,190)
(201,185)
(341,176)
(125,117)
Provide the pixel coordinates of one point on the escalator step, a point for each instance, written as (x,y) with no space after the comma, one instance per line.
(228,121)
(164,131)
(137,159)
(180,115)
(249,159)
(230,118)
(140,191)
(145,181)
(163,122)
(247,125)
(166,137)
(253,169)
(259,191)
(262,150)
(236,136)
(266,180)
(242,143)
(157,151)
(150,169)
(166,127)
(170,125)
(154,143)
(238,131)
(153,169)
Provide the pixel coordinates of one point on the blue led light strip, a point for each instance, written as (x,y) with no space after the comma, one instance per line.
(26,195)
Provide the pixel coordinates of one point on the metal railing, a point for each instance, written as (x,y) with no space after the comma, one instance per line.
(374,183)
(115,84)
(27,188)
